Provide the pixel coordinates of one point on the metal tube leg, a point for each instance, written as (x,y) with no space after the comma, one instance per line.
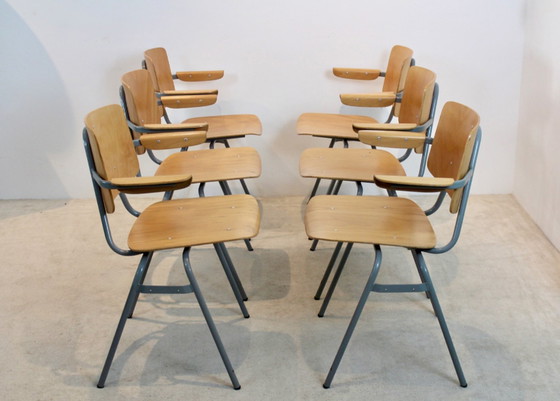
(233,271)
(127,311)
(142,278)
(227,191)
(209,320)
(328,271)
(355,317)
(417,262)
(334,187)
(231,280)
(315,188)
(245,188)
(441,320)
(335,279)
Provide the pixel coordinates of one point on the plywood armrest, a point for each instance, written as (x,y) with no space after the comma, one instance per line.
(144,185)
(189,92)
(153,128)
(393,139)
(383,127)
(194,76)
(186,101)
(416,184)
(172,140)
(357,73)
(383,99)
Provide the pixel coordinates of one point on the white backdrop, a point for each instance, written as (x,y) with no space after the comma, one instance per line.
(62,59)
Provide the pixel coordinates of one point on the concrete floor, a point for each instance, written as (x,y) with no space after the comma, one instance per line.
(63,289)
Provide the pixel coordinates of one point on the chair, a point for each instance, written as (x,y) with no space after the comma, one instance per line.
(164,225)
(359,165)
(205,165)
(400,60)
(221,128)
(394,221)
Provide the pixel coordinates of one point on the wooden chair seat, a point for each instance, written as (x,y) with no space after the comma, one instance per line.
(229,126)
(188,222)
(325,125)
(210,165)
(348,164)
(369,220)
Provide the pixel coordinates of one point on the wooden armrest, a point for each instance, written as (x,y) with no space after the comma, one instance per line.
(383,99)
(144,185)
(416,184)
(173,140)
(186,101)
(393,139)
(193,76)
(357,73)
(383,127)
(175,127)
(190,92)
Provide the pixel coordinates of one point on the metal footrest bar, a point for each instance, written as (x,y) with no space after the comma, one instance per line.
(166,289)
(399,288)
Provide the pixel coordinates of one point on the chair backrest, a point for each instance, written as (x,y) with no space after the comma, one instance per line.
(112,151)
(452,148)
(157,64)
(397,68)
(418,94)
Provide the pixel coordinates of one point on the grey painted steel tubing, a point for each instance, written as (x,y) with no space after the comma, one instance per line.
(355,317)
(231,279)
(335,278)
(328,270)
(209,320)
(233,271)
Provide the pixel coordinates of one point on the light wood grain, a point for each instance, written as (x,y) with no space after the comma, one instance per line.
(417,184)
(384,127)
(229,126)
(195,76)
(144,185)
(383,99)
(187,101)
(112,148)
(174,127)
(369,220)
(157,64)
(393,139)
(188,222)
(190,92)
(209,165)
(173,140)
(357,73)
(348,164)
(330,125)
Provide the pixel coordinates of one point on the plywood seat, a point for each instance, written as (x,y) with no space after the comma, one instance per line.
(325,125)
(211,165)
(184,223)
(348,164)
(369,220)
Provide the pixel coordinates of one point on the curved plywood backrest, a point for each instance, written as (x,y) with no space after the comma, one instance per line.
(399,62)
(417,97)
(453,146)
(157,64)
(112,150)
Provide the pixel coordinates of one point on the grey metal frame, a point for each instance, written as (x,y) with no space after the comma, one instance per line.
(426,284)
(138,287)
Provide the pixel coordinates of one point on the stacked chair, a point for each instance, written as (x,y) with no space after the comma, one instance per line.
(390,220)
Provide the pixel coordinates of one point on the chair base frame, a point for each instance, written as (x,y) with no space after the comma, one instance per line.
(371,286)
(138,287)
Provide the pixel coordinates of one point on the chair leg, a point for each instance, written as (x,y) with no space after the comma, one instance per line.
(335,279)
(209,320)
(439,313)
(231,279)
(234,272)
(227,191)
(328,271)
(420,273)
(127,311)
(334,187)
(355,317)
(142,278)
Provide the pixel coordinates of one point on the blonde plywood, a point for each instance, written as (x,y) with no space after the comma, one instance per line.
(188,222)
(229,126)
(369,220)
(348,164)
(330,125)
(209,165)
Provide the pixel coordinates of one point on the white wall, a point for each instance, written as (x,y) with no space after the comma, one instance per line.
(61,59)
(537,182)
